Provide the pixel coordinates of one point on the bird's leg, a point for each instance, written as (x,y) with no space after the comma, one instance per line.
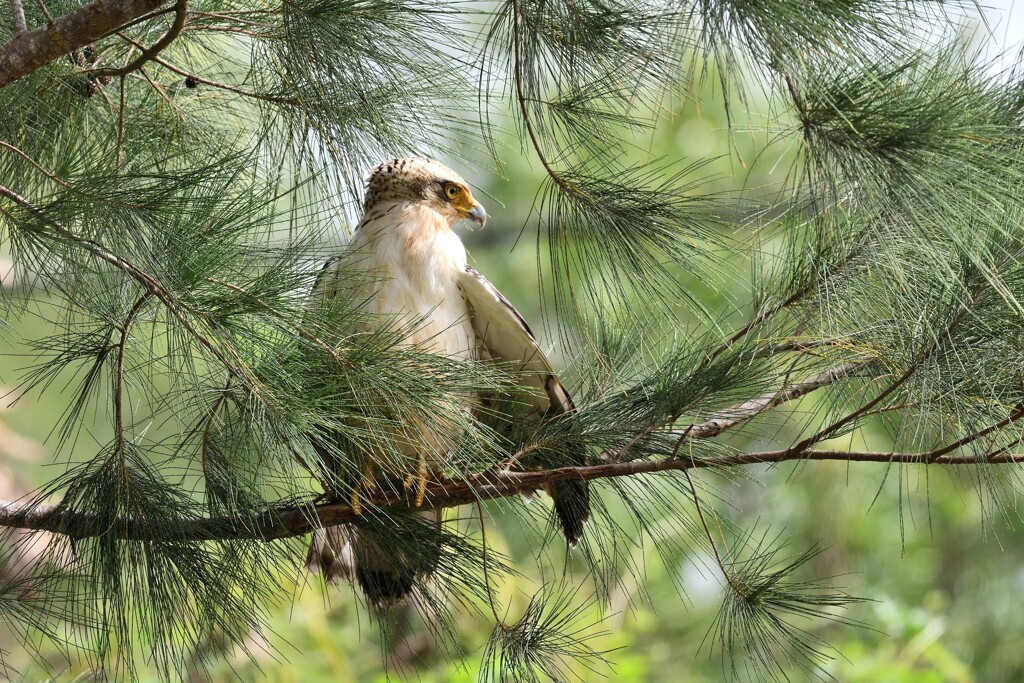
(421,481)
(417,481)
(357,508)
(366,483)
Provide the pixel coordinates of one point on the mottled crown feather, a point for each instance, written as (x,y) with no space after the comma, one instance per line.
(407,179)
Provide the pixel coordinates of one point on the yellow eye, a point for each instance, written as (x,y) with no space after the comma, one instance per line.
(451,192)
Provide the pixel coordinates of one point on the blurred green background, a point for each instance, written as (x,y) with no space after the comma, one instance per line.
(942,572)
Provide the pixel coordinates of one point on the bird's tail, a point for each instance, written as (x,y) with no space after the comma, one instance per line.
(572,506)
(384,555)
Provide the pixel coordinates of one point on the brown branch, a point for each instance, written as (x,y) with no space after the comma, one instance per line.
(732,416)
(18,16)
(770,312)
(868,407)
(234,18)
(710,536)
(134,22)
(11,148)
(228,29)
(216,84)
(204,448)
(1015,415)
(30,50)
(794,92)
(119,373)
(46,11)
(741,412)
(296,521)
(241,12)
(275,99)
(180,15)
(522,99)
(159,89)
(763,315)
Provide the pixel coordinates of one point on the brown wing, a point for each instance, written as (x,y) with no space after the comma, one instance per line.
(505,337)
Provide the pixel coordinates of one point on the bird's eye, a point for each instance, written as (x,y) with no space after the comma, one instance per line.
(451,192)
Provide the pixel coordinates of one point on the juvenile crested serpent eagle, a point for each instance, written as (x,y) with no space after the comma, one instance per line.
(411,266)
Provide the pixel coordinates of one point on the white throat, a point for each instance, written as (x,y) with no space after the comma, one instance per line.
(414,246)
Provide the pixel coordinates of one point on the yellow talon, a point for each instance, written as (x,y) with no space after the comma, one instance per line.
(421,482)
(368,479)
(366,484)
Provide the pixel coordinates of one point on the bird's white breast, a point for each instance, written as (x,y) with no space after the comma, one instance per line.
(413,260)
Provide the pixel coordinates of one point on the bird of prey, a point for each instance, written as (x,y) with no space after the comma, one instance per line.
(411,266)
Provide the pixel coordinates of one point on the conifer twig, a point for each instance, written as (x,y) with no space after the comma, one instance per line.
(288,522)
(180,16)
(18,16)
(30,50)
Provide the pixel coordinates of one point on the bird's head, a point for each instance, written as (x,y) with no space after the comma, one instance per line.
(425,181)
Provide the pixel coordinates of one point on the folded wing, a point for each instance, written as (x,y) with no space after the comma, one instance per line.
(503,336)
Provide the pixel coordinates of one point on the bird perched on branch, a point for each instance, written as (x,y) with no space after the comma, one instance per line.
(412,268)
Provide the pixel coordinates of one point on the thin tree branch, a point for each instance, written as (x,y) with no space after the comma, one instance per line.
(119,374)
(160,91)
(917,363)
(180,15)
(228,29)
(204,448)
(234,18)
(725,419)
(522,99)
(970,438)
(11,148)
(741,412)
(795,94)
(761,316)
(698,506)
(30,50)
(18,16)
(46,11)
(275,99)
(295,521)
(149,283)
(134,22)
(214,84)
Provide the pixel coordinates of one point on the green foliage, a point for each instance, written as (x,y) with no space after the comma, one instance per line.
(858,287)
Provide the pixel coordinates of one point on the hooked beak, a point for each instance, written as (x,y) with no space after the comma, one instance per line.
(478,215)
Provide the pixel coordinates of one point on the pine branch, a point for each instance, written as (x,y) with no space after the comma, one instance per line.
(11,148)
(18,14)
(147,281)
(727,419)
(148,54)
(289,522)
(524,111)
(30,50)
(918,362)
(189,76)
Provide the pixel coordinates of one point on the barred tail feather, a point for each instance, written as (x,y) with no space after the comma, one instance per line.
(330,553)
(572,507)
(385,557)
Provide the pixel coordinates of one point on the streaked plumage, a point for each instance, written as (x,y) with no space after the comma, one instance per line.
(417,271)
